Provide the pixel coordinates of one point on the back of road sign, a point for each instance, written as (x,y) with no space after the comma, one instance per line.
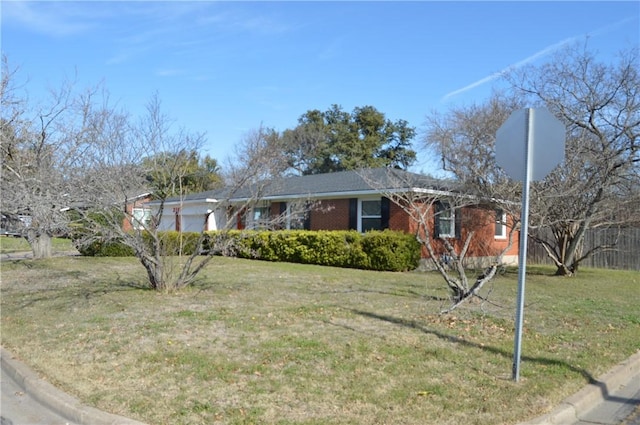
(535,127)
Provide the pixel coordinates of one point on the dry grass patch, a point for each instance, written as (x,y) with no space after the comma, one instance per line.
(269,343)
(10,245)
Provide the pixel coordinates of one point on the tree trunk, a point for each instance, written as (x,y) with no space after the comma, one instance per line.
(154,271)
(571,242)
(40,245)
(563,270)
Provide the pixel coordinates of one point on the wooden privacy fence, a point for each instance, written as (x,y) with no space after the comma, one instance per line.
(624,255)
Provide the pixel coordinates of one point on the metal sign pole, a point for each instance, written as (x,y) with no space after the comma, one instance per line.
(522,261)
(527,156)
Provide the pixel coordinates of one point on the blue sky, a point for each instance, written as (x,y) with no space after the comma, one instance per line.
(225,68)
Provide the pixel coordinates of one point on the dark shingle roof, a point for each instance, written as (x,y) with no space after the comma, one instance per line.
(342,183)
(346,182)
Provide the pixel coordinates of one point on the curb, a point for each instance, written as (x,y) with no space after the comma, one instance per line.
(567,412)
(70,408)
(56,400)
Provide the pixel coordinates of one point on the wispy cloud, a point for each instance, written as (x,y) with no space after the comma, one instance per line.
(51,18)
(330,50)
(615,25)
(495,75)
(541,53)
(186,28)
(169,72)
(244,20)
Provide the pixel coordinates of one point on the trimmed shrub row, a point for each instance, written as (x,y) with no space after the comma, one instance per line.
(170,243)
(104,249)
(377,250)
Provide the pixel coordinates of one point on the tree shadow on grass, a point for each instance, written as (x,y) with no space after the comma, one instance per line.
(406,293)
(589,378)
(85,291)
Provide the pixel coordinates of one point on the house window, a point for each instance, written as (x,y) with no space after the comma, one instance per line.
(445,220)
(370,215)
(296,217)
(141,217)
(501,225)
(260,217)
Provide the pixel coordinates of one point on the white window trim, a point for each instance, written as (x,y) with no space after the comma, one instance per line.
(136,223)
(503,225)
(294,216)
(361,216)
(452,218)
(260,223)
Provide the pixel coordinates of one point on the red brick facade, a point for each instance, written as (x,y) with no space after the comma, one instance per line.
(330,215)
(335,214)
(138,203)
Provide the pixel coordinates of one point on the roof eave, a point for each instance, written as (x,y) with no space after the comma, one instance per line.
(344,194)
(185,201)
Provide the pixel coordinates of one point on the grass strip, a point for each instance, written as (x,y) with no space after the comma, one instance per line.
(274,343)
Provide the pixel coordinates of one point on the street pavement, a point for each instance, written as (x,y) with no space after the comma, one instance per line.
(620,408)
(26,399)
(20,408)
(634,417)
(611,399)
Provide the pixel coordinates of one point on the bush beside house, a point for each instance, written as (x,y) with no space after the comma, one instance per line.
(376,250)
(173,243)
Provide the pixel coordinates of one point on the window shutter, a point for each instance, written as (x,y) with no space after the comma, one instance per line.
(353,214)
(385,212)
(282,218)
(306,225)
(307,220)
(438,207)
(458,222)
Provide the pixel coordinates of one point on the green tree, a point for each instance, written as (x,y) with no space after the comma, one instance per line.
(181,172)
(335,140)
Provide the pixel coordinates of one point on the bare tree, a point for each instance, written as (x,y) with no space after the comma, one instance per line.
(258,166)
(77,163)
(464,140)
(157,144)
(433,205)
(248,174)
(124,153)
(600,107)
(45,151)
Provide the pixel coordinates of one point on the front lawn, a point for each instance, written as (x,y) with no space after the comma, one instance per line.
(274,343)
(10,244)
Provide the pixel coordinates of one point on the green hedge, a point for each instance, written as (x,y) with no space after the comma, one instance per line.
(376,250)
(170,242)
(105,249)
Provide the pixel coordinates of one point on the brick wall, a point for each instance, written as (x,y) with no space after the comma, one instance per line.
(398,219)
(334,215)
(331,215)
(126,222)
